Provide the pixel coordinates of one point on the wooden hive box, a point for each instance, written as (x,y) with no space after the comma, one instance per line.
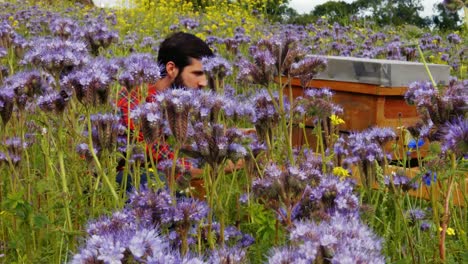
(371,91)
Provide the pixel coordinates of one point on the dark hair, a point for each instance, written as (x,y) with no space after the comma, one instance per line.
(180,47)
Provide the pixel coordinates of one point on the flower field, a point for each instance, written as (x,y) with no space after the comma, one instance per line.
(346,197)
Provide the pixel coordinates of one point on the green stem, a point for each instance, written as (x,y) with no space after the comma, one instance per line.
(63,177)
(446,215)
(172,185)
(426,66)
(98,163)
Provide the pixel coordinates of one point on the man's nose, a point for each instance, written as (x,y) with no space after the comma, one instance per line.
(203,81)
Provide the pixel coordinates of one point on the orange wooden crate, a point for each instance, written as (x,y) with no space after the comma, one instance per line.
(364,106)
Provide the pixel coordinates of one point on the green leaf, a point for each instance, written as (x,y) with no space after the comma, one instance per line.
(39,221)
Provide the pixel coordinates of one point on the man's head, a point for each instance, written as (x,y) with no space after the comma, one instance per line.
(181,54)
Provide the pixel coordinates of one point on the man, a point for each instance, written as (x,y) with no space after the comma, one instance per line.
(181,55)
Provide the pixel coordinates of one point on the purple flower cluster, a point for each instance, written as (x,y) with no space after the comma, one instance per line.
(6,105)
(6,34)
(342,239)
(189,23)
(91,82)
(232,44)
(217,67)
(331,196)
(214,144)
(137,69)
(454,38)
(56,55)
(303,192)
(316,103)
(14,147)
(260,72)
(276,56)
(438,109)
(208,105)
(53,101)
(64,28)
(148,231)
(151,120)
(98,36)
(307,68)
(3,52)
(106,129)
(400,182)
(187,212)
(364,147)
(417,218)
(265,115)
(177,105)
(455,136)
(26,86)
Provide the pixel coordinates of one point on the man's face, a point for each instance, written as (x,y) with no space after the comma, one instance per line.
(192,76)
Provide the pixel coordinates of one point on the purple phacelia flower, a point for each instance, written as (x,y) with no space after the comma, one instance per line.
(26,85)
(307,68)
(6,104)
(217,67)
(53,101)
(425,226)
(228,255)
(340,238)
(150,117)
(415,215)
(138,69)
(106,129)
(57,55)
(400,182)
(213,144)
(189,23)
(3,52)
(455,136)
(92,82)
(454,38)
(63,27)
(177,103)
(6,34)
(186,212)
(98,35)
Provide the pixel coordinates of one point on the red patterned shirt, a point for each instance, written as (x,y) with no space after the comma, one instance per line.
(160,150)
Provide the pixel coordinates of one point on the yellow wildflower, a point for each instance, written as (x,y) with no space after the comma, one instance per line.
(341,172)
(450,231)
(336,120)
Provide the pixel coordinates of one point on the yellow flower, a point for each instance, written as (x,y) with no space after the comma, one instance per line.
(450,231)
(336,120)
(341,172)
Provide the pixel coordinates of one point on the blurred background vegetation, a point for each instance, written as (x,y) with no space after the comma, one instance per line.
(382,12)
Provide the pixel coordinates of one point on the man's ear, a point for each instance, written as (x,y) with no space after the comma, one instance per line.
(171,70)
